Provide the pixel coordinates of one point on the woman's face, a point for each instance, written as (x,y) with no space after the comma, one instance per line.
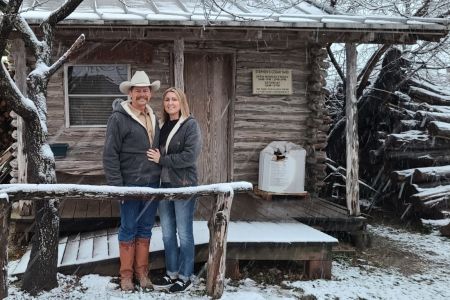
(172,105)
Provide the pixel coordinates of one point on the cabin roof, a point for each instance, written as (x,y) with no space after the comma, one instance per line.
(240,13)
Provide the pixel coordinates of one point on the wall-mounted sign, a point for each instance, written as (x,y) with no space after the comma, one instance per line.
(272,81)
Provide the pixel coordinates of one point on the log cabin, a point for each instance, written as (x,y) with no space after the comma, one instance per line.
(213,53)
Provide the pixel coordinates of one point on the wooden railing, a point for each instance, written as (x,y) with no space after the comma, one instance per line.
(217,224)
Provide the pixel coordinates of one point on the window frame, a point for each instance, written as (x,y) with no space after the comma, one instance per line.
(66,93)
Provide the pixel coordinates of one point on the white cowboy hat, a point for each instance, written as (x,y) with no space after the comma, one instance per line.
(139,79)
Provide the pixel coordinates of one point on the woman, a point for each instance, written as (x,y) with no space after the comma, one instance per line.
(180,145)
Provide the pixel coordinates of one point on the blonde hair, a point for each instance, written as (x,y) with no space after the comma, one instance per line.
(181,96)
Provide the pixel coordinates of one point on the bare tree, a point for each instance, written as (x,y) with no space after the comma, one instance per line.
(32,107)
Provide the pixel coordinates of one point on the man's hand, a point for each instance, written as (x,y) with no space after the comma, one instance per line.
(153,155)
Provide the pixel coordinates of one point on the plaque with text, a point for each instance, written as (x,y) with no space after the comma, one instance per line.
(272,81)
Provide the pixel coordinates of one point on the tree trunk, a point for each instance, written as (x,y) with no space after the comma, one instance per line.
(5,213)
(41,272)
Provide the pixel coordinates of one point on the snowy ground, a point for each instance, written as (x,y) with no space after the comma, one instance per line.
(400,265)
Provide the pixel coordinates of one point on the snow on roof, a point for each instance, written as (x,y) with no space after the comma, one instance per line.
(275,13)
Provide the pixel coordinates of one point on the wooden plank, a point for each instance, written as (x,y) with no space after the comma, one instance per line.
(240,211)
(100,245)
(105,209)
(61,249)
(86,247)
(178,54)
(71,250)
(267,251)
(269,195)
(93,209)
(115,209)
(68,209)
(113,243)
(81,209)
(318,269)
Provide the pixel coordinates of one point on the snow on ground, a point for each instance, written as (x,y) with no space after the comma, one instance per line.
(363,280)
(368,282)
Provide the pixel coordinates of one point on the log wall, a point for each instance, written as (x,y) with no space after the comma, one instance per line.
(261,119)
(256,120)
(84,155)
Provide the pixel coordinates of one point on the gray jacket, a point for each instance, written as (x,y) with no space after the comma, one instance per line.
(125,152)
(181,153)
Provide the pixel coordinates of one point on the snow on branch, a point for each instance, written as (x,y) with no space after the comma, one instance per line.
(20,104)
(103,192)
(77,44)
(28,35)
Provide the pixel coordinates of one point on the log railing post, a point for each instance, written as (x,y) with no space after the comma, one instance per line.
(5,212)
(351,113)
(218,229)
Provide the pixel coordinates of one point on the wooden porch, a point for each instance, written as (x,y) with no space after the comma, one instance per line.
(85,215)
(98,251)
(290,227)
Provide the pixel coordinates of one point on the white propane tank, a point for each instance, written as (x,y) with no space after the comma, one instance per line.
(282,168)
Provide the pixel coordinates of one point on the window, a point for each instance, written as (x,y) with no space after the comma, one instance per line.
(90,91)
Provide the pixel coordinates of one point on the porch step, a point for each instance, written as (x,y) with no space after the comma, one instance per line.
(98,251)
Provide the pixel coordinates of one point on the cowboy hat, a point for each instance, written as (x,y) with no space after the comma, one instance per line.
(139,79)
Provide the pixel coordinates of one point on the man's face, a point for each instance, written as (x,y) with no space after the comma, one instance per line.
(140,96)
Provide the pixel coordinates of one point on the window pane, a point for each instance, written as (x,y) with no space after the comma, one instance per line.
(90,110)
(94,80)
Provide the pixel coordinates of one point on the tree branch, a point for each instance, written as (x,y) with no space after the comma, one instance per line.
(62,12)
(24,107)
(3,5)
(335,64)
(53,68)
(28,35)
(363,77)
(6,25)
(423,10)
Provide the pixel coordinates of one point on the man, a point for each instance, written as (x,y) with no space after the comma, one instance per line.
(132,130)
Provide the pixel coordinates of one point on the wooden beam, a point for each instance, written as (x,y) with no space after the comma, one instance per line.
(178,65)
(351,112)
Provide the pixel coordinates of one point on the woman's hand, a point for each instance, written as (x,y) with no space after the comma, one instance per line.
(153,155)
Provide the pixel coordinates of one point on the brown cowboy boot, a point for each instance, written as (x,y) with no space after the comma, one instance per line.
(141,263)
(127,251)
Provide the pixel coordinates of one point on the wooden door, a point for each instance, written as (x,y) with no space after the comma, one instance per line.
(208,85)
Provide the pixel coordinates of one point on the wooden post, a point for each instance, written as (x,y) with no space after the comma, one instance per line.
(178,53)
(218,228)
(351,110)
(5,212)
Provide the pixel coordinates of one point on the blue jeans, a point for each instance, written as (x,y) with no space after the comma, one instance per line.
(137,218)
(178,216)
